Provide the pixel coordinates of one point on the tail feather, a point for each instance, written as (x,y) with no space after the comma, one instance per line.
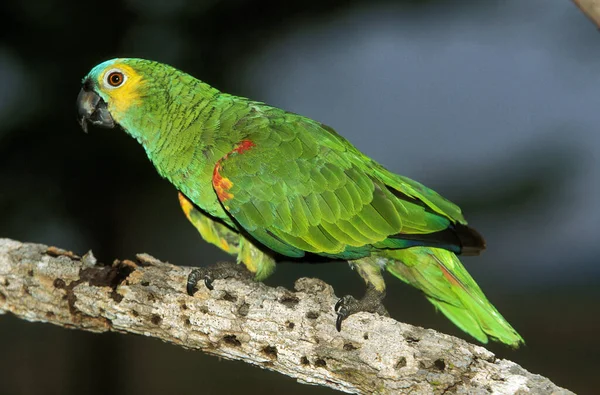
(471,241)
(450,288)
(457,238)
(461,318)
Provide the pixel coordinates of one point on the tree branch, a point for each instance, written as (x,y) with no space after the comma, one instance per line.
(591,8)
(289,332)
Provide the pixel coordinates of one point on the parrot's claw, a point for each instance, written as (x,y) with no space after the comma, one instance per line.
(220,271)
(348,305)
(207,282)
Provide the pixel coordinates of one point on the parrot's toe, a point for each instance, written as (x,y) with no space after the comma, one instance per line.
(220,271)
(370,303)
(192,280)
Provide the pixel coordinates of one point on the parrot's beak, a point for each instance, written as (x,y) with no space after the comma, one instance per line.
(91,108)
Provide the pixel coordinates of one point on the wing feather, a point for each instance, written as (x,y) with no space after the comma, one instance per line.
(301,187)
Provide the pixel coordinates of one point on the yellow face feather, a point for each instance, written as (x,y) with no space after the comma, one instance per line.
(125,95)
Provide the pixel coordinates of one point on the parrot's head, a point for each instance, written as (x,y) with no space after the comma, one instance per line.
(138,95)
(108,91)
(123,91)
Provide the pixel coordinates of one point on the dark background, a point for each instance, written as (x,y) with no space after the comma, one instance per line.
(492,103)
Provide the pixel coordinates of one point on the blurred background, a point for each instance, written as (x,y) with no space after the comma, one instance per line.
(492,103)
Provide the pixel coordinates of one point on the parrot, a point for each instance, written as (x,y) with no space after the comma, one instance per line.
(266,185)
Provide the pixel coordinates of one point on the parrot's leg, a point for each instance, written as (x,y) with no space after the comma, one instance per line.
(219,271)
(370,270)
(215,233)
(212,231)
(256,262)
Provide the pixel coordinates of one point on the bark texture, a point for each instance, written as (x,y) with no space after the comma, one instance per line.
(291,332)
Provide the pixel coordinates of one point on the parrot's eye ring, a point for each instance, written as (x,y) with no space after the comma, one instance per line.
(115,78)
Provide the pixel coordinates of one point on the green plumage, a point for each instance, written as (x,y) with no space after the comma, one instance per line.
(294,186)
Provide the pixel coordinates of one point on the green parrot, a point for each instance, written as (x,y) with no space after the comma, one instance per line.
(265,184)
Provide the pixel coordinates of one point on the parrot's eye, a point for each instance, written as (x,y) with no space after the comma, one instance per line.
(115,78)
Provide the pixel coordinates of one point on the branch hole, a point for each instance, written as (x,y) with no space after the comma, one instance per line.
(244,309)
(270,351)
(289,300)
(58,283)
(440,364)
(117,297)
(232,340)
(401,363)
(228,297)
(312,315)
(320,363)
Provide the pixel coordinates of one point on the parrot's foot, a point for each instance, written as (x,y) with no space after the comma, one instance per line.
(370,303)
(220,271)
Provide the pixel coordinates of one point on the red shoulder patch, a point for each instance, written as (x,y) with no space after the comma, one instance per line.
(223,184)
(244,146)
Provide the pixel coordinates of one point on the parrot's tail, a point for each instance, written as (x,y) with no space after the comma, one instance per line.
(446,283)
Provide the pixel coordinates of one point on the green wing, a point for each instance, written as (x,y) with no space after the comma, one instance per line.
(296,186)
